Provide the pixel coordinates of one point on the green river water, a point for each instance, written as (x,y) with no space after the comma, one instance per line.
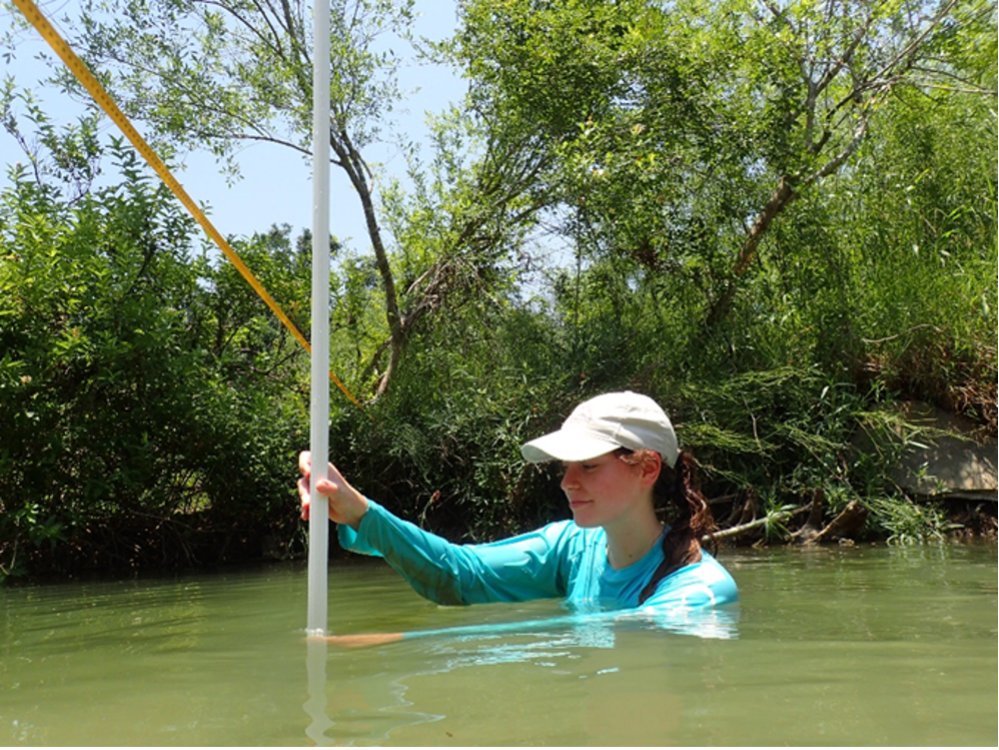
(852,646)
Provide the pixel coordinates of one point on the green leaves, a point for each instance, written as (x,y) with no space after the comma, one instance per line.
(135,375)
(215,75)
(772,217)
(69,154)
(665,121)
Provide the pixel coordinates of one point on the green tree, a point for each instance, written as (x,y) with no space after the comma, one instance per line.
(214,75)
(146,395)
(842,248)
(684,130)
(69,155)
(207,75)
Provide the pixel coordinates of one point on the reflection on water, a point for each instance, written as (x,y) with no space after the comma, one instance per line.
(595,628)
(863,646)
(544,643)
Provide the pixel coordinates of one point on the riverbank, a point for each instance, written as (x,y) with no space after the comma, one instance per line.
(944,477)
(182,546)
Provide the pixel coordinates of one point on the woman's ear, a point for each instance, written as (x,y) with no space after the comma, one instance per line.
(650,466)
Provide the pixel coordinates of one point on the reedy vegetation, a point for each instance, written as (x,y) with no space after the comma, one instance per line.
(781,220)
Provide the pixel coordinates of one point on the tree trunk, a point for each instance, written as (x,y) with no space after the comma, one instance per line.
(353,164)
(781,198)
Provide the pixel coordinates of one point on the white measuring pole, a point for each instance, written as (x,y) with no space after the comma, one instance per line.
(320,375)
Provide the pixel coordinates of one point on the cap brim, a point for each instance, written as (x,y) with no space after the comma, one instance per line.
(562,446)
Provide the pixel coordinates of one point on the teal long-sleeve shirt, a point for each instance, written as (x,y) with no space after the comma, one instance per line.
(558,560)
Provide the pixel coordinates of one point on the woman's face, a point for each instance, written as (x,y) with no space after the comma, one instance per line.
(609,490)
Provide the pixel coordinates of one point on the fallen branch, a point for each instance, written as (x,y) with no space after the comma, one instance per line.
(813,524)
(845,525)
(737,531)
(745,513)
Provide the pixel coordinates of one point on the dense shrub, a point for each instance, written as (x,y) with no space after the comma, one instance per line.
(144,396)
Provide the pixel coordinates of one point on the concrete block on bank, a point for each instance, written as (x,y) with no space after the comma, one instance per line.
(956,463)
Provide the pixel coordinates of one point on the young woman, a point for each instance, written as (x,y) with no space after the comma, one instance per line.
(621,459)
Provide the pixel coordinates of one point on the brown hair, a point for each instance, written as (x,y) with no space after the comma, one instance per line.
(678,499)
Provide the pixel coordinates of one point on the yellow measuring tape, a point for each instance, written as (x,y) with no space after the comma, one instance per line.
(75,64)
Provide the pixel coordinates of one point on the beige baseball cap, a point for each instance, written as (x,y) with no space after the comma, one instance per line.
(604,424)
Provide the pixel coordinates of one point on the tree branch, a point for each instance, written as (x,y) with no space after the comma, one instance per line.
(742,529)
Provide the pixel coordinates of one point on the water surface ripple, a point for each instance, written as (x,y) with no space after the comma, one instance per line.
(861,646)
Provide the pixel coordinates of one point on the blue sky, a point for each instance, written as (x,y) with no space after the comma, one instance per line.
(276,183)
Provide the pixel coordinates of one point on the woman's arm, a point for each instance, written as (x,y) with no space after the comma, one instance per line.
(530,566)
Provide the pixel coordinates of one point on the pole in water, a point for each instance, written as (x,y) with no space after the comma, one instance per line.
(320,400)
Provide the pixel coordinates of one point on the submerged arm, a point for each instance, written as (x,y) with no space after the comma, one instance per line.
(703,622)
